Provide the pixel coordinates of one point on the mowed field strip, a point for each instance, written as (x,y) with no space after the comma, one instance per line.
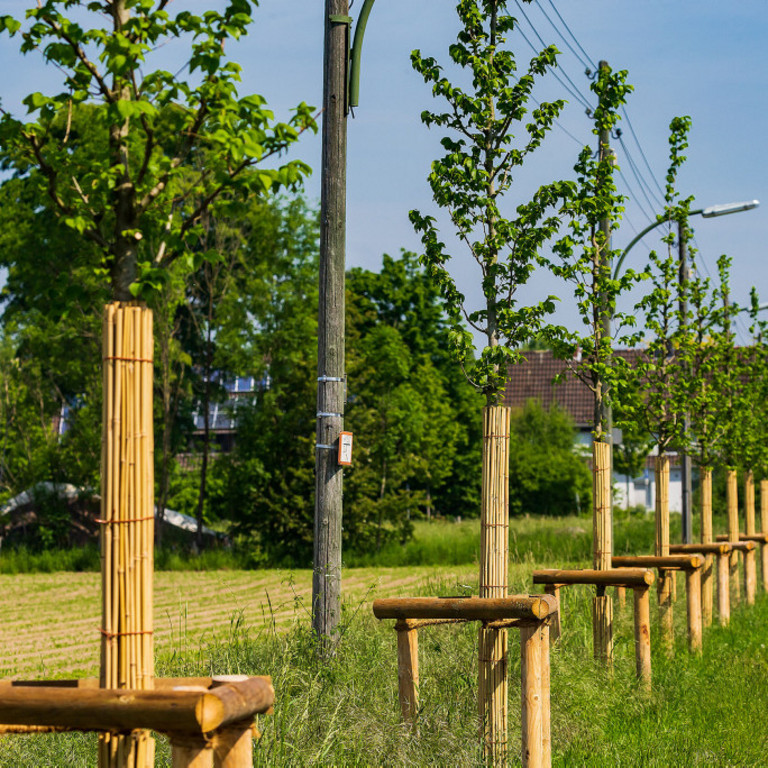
(49,623)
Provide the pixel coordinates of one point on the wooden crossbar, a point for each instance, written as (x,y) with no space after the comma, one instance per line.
(531,607)
(611,577)
(531,614)
(667,562)
(207,726)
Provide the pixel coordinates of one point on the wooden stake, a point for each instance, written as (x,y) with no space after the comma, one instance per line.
(408,672)
(494,564)
(621,595)
(532,648)
(554,625)
(666,618)
(723,589)
(693,595)
(642,604)
(732,489)
(602,627)
(764,530)
(602,544)
(546,719)
(750,558)
(191,754)
(707,573)
(707,590)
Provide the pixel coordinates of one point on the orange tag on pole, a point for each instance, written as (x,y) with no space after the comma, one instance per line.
(345,448)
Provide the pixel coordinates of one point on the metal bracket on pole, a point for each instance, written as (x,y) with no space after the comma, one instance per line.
(328,414)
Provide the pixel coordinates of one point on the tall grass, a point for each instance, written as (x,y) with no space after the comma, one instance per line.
(703,711)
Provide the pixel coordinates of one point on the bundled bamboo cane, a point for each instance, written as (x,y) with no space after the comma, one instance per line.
(732,505)
(602,549)
(664,584)
(127,517)
(707,573)
(750,557)
(494,564)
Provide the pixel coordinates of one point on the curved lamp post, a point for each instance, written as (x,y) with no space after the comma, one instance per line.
(707,213)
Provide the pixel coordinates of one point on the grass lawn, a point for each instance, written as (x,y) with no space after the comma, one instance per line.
(704,711)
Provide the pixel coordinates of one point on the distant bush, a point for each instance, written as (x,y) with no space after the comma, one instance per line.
(546,474)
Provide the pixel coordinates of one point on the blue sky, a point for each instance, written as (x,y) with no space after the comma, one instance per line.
(704,59)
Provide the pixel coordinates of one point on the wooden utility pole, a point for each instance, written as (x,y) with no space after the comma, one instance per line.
(326,578)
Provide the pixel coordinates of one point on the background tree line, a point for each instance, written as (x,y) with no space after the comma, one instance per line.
(242,302)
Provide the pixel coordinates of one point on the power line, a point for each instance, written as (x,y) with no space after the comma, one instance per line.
(634,197)
(583,62)
(642,154)
(576,93)
(562,20)
(635,173)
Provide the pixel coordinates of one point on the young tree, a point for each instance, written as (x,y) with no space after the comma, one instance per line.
(489,132)
(660,384)
(150,124)
(584,257)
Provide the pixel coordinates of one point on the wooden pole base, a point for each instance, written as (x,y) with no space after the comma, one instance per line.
(408,673)
(693,597)
(666,616)
(534,650)
(764,564)
(602,627)
(642,607)
(733,575)
(492,693)
(750,576)
(707,590)
(191,754)
(723,589)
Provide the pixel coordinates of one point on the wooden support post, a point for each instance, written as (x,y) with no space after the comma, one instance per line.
(707,590)
(643,635)
(750,575)
(190,752)
(408,672)
(693,596)
(546,718)
(233,745)
(534,646)
(666,617)
(673,583)
(602,626)
(750,557)
(602,542)
(732,489)
(621,594)
(494,565)
(707,574)
(554,625)
(764,530)
(723,589)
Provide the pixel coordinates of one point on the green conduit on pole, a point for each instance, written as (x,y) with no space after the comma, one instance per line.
(357,47)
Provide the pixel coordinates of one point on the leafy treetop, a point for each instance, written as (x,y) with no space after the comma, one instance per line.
(172,145)
(470,180)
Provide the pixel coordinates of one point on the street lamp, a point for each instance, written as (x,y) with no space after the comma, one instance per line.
(708,213)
